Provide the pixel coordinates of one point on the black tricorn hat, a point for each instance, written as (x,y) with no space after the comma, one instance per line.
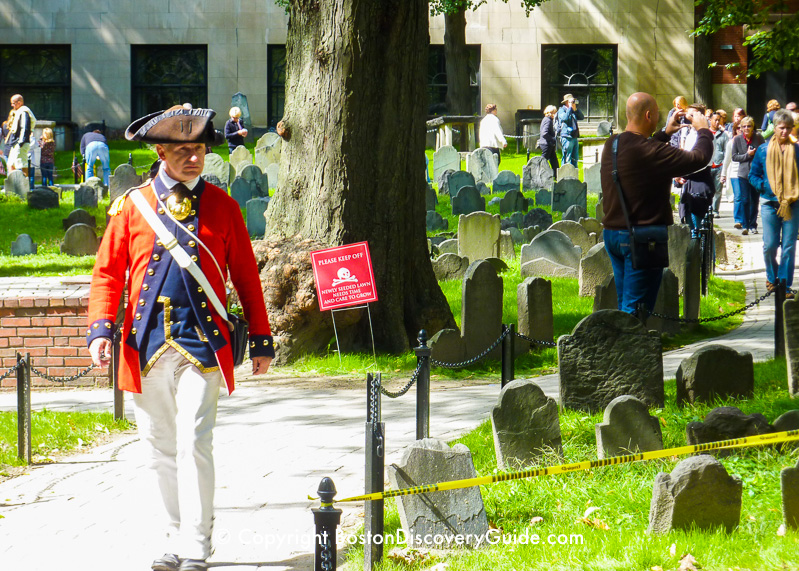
(177,124)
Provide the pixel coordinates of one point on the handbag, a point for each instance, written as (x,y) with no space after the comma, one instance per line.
(649,245)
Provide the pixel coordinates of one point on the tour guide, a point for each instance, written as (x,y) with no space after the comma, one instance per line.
(175,347)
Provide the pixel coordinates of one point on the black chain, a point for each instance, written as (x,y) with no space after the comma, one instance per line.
(473,360)
(536,341)
(407,387)
(715,318)
(63,379)
(11,371)
(326,556)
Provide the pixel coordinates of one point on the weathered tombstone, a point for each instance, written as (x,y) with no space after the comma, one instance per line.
(679,246)
(483,165)
(79,216)
(575,212)
(525,424)
(569,191)
(791,318)
(499,265)
(216,165)
(593,179)
(430,198)
(495,201)
(449,266)
(576,233)
(97,182)
(256,222)
(42,199)
(482,188)
(726,423)
(240,100)
(594,270)
(455,512)
(668,304)
(86,196)
(273,174)
(445,158)
(478,236)
(258,183)
(542,267)
(458,180)
(80,240)
(17,183)
(692,287)
(240,157)
(568,170)
(23,246)
(516,235)
(124,179)
(538,217)
(449,246)
(543,197)
(537,174)
(434,221)
(506,248)
(555,246)
(241,192)
(605,295)
(513,201)
(443,181)
(447,346)
(437,240)
(592,226)
(468,200)
(212,179)
(627,428)
(530,232)
(516,219)
(715,371)
(604,129)
(698,494)
(610,354)
(481,308)
(267,150)
(534,309)
(505,181)
(789,481)
(599,211)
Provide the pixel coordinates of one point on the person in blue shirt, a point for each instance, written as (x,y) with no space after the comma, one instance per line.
(775,174)
(568,115)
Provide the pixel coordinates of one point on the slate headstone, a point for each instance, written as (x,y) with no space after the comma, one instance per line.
(458,180)
(692,287)
(605,295)
(568,170)
(543,267)
(534,309)
(569,191)
(593,179)
(478,236)
(240,157)
(599,210)
(258,183)
(256,221)
(515,220)
(430,198)
(555,246)
(516,235)
(594,270)
(679,246)
(627,428)
(789,482)
(610,354)
(273,175)
(513,201)
(445,158)
(449,266)
(604,129)
(239,100)
(530,232)
(443,181)
(447,346)
(241,192)
(483,165)
(434,221)
(42,199)
(79,216)
(505,181)
(525,424)
(482,188)
(217,166)
(698,494)
(575,212)
(725,423)
(455,512)
(507,251)
(576,233)
(790,313)
(667,303)
(537,174)
(267,150)
(538,217)
(449,246)
(481,308)
(468,200)
(17,183)
(80,240)
(543,197)
(86,196)
(124,179)
(715,371)
(23,246)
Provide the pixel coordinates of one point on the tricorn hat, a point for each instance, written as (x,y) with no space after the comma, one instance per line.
(178,124)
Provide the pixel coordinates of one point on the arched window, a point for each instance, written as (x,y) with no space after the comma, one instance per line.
(587,72)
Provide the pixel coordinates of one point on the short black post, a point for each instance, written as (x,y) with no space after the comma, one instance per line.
(24,408)
(326,518)
(113,372)
(508,354)
(130,159)
(31,172)
(779,323)
(75,169)
(641,312)
(375,470)
(83,174)
(423,387)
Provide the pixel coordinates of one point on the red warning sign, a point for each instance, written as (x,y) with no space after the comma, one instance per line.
(344,276)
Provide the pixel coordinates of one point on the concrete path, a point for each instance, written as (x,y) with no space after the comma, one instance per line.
(93,511)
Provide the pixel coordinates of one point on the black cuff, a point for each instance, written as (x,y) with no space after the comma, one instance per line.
(262,346)
(100,328)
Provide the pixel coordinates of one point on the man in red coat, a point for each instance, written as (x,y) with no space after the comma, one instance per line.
(175,348)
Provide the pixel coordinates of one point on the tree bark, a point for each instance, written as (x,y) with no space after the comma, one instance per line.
(459,99)
(352,169)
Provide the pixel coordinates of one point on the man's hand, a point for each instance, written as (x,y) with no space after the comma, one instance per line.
(243,132)
(674,123)
(100,350)
(697,119)
(260,365)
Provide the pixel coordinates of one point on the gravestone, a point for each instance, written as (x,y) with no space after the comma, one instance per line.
(575,212)
(715,371)
(577,234)
(505,181)
(534,309)
(692,287)
(80,240)
(79,216)
(434,221)
(240,100)
(267,150)
(516,219)
(430,198)
(516,235)
(569,191)
(483,165)
(592,226)
(789,482)
(86,196)
(787,421)
(593,180)
(507,251)
(720,245)
(457,180)
(726,423)
(530,232)
(447,346)
(17,183)
(604,129)
(273,175)
(495,201)
(513,201)
(240,157)
(258,183)
(542,267)
(698,494)
(256,221)
(568,170)
(97,183)
(211,179)
(499,265)
(525,424)
(449,266)
(241,192)
(667,303)
(478,236)
(444,159)
(468,200)
(627,428)
(594,270)
(538,217)
(23,246)
(482,188)
(610,354)
(605,295)
(455,512)
(555,246)
(599,210)
(443,181)
(537,174)
(449,246)
(543,197)
(790,313)
(679,245)
(124,179)
(42,199)
(481,309)
(216,165)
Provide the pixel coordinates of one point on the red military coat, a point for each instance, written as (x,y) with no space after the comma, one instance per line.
(129,244)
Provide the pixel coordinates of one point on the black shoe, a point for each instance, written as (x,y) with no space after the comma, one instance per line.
(754,230)
(193,565)
(169,562)
(738,226)
(745,232)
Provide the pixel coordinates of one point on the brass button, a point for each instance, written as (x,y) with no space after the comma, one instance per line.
(156,257)
(159,242)
(138,316)
(199,290)
(142,302)
(160,211)
(208,318)
(163,196)
(191,227)
(203,304)
(193,212)
(96,325)
(216,331)
(88,332)
(133,331)
(145,287)
(192,243)
(266,342)
(107,325)
(151,272)
(252,344)
(194,258)
(194,197)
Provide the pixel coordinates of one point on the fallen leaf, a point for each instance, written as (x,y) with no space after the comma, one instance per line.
(687,562)
(593,522)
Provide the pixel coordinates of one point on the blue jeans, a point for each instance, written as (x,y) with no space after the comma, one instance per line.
(47,173)
(632,286)
(779,233)
(571,150)
(694,223)
(94,151)
(747,200)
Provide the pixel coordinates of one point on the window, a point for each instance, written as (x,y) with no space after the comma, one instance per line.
(437,80)
(41,74)
(167,75)
(587,72)
(276,88)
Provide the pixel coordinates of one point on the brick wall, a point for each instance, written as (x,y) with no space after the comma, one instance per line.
(732,36)
(53,331)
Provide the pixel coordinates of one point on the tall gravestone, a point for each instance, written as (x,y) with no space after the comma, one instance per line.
(679,246)
(789,482)
(124,179)
(481,310)
(468,200)
(457,180)
(273,174)
(435,222)
(257,179)
(478,236)
(692,287)
(715,371)
(217,166)
(525,424)
(534,310)
(444,159)
(513,201)
(267,150)
(791,318)
(506,181)
(627,428)
(593,180)
(80,240)
(86,196)
(668,304)
(483,165)
(569,191)
(430,199)
(24,246)
(241,192)
(240,100)
(576,233)
(605,295)
(256,211)
(594,270)
(610,354)
(568,170)
(17,183)
(240,158)
(537,174)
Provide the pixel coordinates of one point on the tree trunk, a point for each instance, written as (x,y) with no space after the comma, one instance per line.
(352,160)
(459,97)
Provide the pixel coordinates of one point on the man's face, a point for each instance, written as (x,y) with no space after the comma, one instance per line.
(16,103)
(715,122)
(183,161)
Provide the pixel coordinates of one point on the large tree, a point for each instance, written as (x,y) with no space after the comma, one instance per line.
(353,152)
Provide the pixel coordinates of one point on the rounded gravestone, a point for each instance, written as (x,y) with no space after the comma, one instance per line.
(80,240)
(79,216)
(555,246)
(715,371)
(538,217)
(42,199)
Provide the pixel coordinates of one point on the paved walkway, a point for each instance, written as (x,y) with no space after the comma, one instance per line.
(273,445)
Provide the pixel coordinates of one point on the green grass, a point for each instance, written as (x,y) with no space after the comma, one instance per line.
(622,495)
(54,432)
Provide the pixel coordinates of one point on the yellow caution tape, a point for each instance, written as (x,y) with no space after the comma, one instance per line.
(773,438)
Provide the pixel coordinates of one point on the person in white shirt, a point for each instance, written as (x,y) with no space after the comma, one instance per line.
(491,136)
